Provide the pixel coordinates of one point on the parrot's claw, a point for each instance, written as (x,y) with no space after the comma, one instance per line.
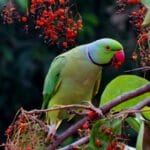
(51,133)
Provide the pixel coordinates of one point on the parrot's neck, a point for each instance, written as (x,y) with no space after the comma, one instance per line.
(97,54)
(94,54)
(90,57)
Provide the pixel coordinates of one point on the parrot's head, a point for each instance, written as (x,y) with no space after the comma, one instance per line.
(107,51)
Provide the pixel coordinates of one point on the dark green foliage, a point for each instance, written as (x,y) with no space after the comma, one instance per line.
(106,131)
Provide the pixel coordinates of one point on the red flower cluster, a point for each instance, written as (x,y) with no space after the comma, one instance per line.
(54,19)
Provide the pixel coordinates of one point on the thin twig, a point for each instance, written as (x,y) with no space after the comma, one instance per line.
(41,123)
(73,129)
(145,102)
(75,106)
(137,108)
(81,141)
(146,68)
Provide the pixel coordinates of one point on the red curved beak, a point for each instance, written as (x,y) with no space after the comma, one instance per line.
(118,59)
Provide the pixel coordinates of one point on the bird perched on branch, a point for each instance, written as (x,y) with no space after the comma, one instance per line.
(75,75)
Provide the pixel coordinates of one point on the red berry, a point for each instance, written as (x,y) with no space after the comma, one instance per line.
(114,144)
(28,148)
(79,24)
(109,132)
(145,36)
(134,56)
(103,128)
(61,11)
(52,1)
(65,44)
(91,114)
(98,143)
(85,125)
(61,1)
(8,131)
(24,19)
(39,1)
(109,147)
(133,1)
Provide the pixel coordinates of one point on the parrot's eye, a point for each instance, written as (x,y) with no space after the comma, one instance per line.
(107,48)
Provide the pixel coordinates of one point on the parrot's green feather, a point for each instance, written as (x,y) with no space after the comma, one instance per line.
(52,80)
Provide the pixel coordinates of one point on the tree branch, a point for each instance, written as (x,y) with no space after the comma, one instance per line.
(75,106)
(82,141)
(73,129)
(120,99)
(140,105)
(146,68)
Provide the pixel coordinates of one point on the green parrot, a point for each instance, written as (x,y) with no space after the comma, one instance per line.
(75,75)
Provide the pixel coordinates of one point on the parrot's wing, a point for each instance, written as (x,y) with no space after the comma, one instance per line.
(97,84)
(53,79)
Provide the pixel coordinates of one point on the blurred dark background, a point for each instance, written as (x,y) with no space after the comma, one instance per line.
(25,58)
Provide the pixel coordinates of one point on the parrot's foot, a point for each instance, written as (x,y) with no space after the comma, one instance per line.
(96,110)
(51,133)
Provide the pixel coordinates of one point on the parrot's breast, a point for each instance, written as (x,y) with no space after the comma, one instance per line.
(78,79)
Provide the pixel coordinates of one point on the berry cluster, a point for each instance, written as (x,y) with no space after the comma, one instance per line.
(24,133)
(54,19)
(121,4)
(136,19)
(9,13)
(114,143)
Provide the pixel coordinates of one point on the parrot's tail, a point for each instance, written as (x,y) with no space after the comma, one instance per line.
(58,124)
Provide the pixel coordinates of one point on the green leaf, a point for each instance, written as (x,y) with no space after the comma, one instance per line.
(123,84)
(146,21)
(146,3)
(98,133)
(23,4)
(139,144)
(133,123)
